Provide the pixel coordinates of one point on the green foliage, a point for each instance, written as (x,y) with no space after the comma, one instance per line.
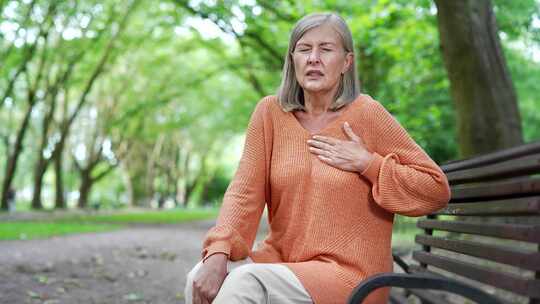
(526,76)
(215,187)
(403,232)
(515,18)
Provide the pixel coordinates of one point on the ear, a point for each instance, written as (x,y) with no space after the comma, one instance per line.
(349,59)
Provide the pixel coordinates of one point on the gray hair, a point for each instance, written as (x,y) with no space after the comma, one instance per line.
(290,94)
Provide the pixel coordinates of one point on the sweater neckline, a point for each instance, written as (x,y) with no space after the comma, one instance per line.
(328,126)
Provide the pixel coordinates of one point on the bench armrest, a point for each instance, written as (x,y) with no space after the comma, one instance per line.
(401,263)
(419,281)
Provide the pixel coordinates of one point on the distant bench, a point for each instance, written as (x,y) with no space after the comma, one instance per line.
(486,242)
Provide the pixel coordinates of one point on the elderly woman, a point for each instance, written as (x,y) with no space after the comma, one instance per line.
(333,167)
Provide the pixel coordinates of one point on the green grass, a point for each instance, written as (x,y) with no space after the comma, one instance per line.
(147,217)
(33,230)
(69,223)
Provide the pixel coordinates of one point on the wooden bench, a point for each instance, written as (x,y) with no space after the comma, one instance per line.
(485,246)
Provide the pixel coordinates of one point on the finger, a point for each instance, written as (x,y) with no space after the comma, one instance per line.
(320,151)
(350,133)
(206,301)
(329,140)
(320,145)
(209,299)
(203,298)
(195,295)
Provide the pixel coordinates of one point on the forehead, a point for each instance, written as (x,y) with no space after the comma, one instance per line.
(320,34)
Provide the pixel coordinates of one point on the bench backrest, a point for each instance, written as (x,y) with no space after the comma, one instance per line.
(490,231)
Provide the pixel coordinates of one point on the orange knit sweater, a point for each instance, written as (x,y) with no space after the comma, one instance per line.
(331,227)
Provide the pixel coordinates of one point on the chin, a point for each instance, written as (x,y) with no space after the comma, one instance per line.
(315,88)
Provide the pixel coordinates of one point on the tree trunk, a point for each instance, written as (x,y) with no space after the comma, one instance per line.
(87,180)
(84,190)
(60,200)
(40,168)
(487,112)
(32,90)
(42,163)
(12,158)
(126,176)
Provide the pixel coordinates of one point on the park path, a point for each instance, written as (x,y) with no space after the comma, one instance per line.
(139,264)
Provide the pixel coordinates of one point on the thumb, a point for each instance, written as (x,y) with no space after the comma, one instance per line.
(350,133)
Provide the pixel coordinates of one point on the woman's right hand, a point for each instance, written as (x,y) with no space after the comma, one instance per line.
(209,278)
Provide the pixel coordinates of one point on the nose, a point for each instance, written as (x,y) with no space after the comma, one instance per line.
(314,56)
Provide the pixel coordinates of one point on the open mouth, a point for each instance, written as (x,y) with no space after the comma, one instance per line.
(314,74)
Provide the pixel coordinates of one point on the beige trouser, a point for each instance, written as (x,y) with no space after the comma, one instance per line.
(248,282)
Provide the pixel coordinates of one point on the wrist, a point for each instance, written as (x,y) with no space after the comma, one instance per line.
(218,257)
(364,161)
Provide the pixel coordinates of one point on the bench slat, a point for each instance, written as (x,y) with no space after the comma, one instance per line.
(492,157)
(462,193)
(526,233)
(507,281)
(420,269)
(500,254)
(516,206)
(516,167)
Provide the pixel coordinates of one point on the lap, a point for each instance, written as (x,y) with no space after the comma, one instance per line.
(263,282)
(276,282)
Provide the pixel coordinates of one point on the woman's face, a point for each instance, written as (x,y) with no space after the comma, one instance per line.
(319,59)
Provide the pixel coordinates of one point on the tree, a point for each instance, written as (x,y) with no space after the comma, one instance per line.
(33,82)
(485,100)
(98,64)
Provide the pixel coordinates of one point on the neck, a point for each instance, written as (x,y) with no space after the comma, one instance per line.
(317,103)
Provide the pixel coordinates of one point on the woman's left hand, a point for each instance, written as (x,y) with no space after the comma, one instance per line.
(349,155)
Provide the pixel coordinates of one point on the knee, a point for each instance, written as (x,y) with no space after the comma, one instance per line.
(243,285)
(246,275)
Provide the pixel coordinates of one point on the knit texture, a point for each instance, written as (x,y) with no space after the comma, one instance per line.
(331,227)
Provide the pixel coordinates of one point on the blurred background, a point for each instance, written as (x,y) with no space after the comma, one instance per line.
(121,112)
(109,104)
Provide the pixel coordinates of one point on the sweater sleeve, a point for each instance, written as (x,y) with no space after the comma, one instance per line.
(244,200)
(405,180)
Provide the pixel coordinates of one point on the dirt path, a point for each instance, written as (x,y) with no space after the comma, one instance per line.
(140,264)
